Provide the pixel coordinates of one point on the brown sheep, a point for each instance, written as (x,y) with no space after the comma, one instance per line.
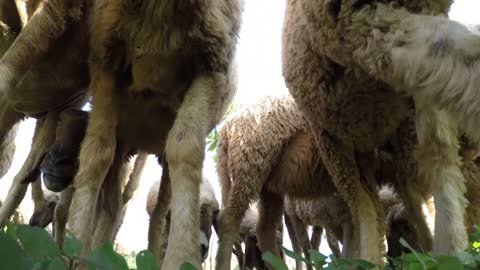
(162,76)
(352,65)
(209,208)
(251,164)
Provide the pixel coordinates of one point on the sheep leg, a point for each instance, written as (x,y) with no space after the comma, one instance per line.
(350,241)
(237,250)
(294,240)
(44,137)
(341,165)
(333,243)
(270,210)
(134,178)
(99,143)
(157,219)
(316,239)
(230,219)
(437,133)
(46,25)
(185,150)
(61,215)
(410,190)
(9,122)
(7,150)
(131,186)
(301,233)
(110,203)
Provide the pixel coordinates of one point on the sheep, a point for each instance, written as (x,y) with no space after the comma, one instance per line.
(259,166)
(246,165)
(332,213)
(162,75)
(252,257)
(44,71)
(208,210)
(351,65)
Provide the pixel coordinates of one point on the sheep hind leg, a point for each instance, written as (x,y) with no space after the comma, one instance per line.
(439,164)
(229,221)
(294,240)
(341,165)
(301,233)
(157,219)
(44,137)
(270,212)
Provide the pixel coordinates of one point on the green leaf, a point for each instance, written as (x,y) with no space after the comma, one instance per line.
(413,266)
(187,266)
(275,261)
(37,242)
(105,258)
(363,264)
(57,264)
(317,258)
(146,261)
(294,255)
(11,253)
(71,245)
(11,230)
(449,263)
(465,257)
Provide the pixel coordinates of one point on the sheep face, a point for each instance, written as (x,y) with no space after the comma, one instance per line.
(400,227)
(60,163)
(44,216)
(207,217)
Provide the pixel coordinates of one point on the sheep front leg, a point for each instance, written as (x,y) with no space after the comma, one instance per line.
(439,165)
(340,163)
(44,137)
(270,210)
(96,155)
(185,150)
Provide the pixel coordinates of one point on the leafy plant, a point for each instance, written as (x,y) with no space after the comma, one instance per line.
(28,248)
(23,247)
